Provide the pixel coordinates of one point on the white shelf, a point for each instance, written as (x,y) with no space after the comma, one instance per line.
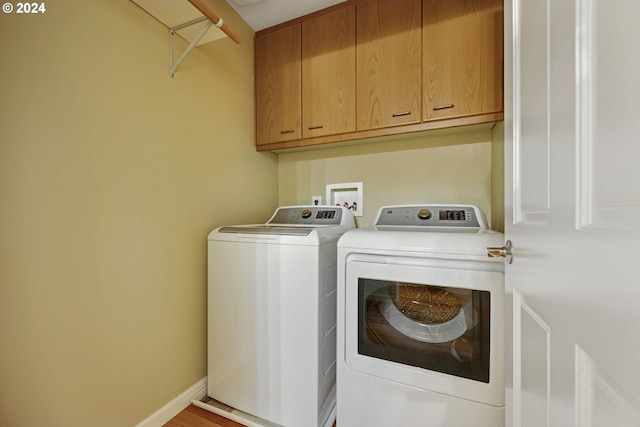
(173,13)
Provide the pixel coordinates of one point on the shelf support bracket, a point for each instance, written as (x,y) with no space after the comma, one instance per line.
(172,33)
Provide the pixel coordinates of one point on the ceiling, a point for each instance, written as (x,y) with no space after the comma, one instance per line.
(261,14)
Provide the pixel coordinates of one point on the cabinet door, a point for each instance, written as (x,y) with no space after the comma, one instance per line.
(389,63)
(278,86)
(462,42)
(329,74)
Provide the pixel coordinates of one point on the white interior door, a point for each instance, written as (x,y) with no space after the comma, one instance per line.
(572,172)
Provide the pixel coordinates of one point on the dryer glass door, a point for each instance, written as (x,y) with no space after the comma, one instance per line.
(436,325)
(442,329)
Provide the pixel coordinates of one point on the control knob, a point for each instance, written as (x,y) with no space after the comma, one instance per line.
(424,214)
(306,213)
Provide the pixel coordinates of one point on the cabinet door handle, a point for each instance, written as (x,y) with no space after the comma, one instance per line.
(442,107)
(282,132)
(403,113)
(315,127)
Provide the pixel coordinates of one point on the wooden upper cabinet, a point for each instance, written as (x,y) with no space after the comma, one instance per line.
(278,86)
(462,58)
(370,68)
(389,53)
(329,74)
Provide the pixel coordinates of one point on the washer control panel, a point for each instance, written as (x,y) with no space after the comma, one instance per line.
(460,216)
(309,215)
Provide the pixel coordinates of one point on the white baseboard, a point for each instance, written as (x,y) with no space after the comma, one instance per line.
(173,408)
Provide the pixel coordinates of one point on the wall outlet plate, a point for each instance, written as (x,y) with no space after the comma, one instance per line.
(348,194)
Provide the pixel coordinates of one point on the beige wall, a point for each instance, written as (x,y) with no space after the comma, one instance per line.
(497,177)
(435,167)
(111,175)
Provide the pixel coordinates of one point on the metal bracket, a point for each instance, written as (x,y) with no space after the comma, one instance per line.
(172,33)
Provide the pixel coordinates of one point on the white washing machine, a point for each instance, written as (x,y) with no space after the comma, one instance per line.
(420,320)
(272,316)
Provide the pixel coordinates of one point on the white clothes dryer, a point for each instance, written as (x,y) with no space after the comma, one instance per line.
(272,315)
(420,320)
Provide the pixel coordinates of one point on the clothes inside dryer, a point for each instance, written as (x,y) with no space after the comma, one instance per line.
(444,329)
(427,313)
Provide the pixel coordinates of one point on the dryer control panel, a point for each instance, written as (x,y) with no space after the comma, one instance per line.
(458,216)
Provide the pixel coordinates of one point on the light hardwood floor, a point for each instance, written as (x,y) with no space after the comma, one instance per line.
(192,416)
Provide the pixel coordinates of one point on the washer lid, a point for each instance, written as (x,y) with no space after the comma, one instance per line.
(267,229)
